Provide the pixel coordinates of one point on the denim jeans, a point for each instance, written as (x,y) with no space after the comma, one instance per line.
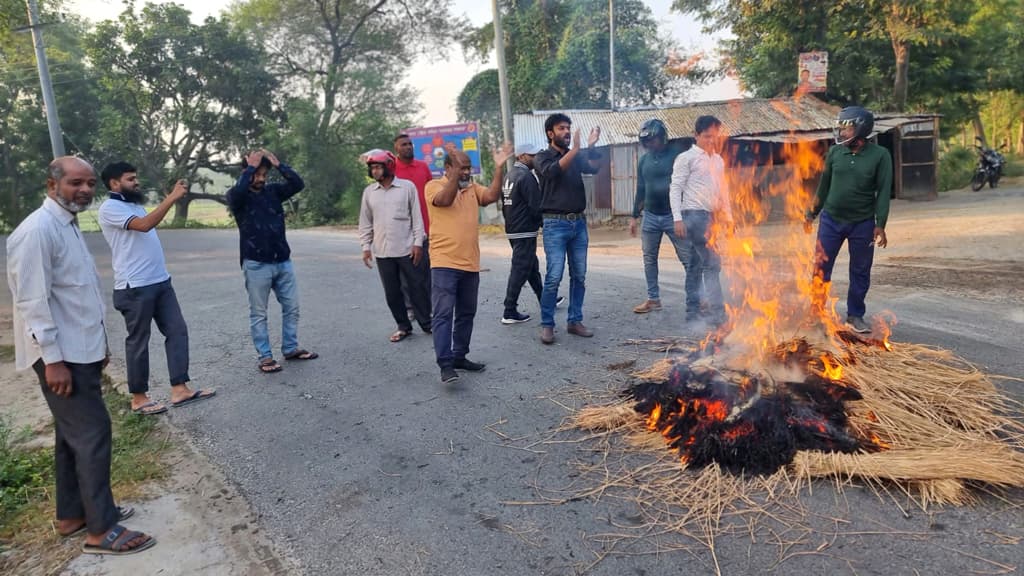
(564,240)
(859,238)
(260,279)
(705,265)
(653,227)
(454,293)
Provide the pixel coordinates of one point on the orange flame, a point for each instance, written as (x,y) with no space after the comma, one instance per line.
(831,371)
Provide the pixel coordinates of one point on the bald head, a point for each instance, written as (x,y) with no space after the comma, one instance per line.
(71,182)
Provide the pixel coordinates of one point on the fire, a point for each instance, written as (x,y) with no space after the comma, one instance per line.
(831,370)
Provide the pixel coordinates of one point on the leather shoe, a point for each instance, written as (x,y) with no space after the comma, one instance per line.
(468,365)
(547,335)
(579,329)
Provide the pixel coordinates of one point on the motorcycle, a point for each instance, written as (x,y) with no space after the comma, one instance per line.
(989,168)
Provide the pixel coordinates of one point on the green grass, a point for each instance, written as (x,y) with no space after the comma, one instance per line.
(26,474)
(956,166)
(201,214)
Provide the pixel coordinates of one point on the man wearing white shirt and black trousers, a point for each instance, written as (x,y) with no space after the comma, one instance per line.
(142,287)
(697,195)
(59,332)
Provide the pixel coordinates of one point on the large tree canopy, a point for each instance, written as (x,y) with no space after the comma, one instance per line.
(557,56)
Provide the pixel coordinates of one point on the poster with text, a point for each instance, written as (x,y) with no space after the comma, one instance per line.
(813,71)
(429,142)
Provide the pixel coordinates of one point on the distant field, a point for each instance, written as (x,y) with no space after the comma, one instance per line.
(204,213)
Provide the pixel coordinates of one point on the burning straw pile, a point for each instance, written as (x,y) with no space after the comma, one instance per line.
(725,435)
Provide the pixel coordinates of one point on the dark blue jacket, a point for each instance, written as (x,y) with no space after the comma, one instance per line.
(260,215)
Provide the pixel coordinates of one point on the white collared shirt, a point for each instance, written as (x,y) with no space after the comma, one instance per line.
(698,183)
(390,221)
(58,306)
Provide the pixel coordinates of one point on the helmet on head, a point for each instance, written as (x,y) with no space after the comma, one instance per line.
(653,129)
(860,118)
(382,157)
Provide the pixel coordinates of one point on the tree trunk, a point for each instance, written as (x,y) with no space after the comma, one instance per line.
(979,128)
(181,211)
(1020,135)
(901,50)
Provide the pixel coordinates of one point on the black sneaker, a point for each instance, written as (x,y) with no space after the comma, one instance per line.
(449,375)
(515,318)
(468,365)
(858,325)
(560,302)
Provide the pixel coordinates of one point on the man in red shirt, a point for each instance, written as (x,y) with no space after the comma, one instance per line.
(417,172)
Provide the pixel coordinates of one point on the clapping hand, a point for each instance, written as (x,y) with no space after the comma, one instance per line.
(502,154)
(595,135)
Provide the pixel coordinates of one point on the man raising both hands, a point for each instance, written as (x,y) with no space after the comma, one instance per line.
(561,170)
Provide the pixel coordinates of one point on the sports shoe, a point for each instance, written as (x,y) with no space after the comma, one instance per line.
(858,325)
(647,306)
(515,318)
(468,365)
(560,302)
(448,375)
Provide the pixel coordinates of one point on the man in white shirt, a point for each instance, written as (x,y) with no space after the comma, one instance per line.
(59,333)
(697,195)
(391,230)
(142,287)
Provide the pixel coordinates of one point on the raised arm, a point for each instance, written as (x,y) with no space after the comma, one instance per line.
(500,157)
(154,218)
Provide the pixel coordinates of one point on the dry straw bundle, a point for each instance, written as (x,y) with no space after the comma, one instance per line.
(947,431)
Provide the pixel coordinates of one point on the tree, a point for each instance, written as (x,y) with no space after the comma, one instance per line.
(24,141)
(341,62)
(178,97)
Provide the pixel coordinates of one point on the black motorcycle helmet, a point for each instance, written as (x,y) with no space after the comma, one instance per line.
(856,116)
(653,129)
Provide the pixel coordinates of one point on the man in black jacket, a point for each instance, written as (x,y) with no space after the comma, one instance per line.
(520,204)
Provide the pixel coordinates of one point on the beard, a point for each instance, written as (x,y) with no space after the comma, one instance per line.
(133,196)
(70,205)
(465,182)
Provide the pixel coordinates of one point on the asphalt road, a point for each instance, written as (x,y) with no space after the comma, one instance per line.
(361,462)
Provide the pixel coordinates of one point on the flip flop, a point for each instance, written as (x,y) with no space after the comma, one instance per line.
(301,354)
(197,395)
(269,366)
(115,543)
(123,513)
(150,408)
(400,335)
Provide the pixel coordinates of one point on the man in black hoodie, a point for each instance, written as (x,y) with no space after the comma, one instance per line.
(520,205)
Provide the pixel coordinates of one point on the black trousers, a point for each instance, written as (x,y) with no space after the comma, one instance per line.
(81,450)
(423,270)
(396,273)
(525,268)
(140,307)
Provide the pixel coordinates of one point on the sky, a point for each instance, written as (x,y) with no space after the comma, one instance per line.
(438,81)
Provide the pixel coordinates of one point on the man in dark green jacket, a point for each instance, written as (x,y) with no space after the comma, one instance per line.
(853,200)
(653,176)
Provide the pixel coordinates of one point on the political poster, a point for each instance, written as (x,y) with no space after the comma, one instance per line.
(428,144)
(813,72)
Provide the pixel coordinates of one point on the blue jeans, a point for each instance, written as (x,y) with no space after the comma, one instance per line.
(860,237)
(564,240)
(260,279)
(705,266)
(453,294)
(655,226)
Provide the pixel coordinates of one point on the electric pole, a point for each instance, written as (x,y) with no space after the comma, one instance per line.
(52,120)
(499,49)
(611,53)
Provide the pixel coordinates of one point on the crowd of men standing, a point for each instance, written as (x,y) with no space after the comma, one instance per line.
(423,234)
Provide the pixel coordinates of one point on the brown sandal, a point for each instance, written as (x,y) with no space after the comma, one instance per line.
(269,366)
(301,354)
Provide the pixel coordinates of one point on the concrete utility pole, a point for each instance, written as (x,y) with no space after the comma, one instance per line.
(611,53)
(499,49)
(52,119)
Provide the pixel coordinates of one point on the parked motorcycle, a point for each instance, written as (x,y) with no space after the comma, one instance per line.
(989,168)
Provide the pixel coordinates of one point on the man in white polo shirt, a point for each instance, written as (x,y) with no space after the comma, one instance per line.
(142,287)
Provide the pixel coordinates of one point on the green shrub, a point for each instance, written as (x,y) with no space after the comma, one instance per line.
(1014,167)
(956,166)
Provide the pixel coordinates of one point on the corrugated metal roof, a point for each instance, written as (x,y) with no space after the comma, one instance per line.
(740,117)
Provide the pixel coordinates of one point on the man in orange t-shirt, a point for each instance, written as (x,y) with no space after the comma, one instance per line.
(417,172)
(453,202)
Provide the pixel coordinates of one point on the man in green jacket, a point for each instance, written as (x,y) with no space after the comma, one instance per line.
(853,200)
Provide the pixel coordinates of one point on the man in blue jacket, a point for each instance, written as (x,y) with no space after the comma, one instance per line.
(266,258)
